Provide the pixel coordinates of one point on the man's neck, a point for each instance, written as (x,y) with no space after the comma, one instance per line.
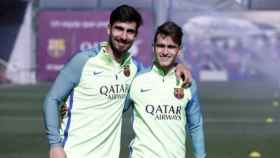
(164,70)
(116,55)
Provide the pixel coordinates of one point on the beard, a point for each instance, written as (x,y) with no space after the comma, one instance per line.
(118,52)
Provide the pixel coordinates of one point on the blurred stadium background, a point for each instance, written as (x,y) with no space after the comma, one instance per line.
(232,46)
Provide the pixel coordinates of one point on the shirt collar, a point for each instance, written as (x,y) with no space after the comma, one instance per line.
(157,69)
(108,58)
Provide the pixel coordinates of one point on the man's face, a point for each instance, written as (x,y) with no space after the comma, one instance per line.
(122,36)
(166,51)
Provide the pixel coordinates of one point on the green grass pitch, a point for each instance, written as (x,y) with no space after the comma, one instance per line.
(234,125)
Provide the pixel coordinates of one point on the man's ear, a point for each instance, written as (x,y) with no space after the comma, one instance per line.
(109,29)
(136,34)
(179,51)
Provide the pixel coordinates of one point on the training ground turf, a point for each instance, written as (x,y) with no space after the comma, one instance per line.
(238,120)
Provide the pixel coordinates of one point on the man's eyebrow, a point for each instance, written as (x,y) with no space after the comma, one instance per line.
(131,30)
(169,45)
(119,27)
(122,29)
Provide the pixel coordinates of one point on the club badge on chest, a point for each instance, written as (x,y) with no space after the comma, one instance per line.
(126,70)
(179,93)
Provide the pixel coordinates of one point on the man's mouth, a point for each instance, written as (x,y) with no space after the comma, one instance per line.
(122,43)
(164,57)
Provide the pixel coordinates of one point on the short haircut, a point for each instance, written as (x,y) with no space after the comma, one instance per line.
(171,29)
(125,13)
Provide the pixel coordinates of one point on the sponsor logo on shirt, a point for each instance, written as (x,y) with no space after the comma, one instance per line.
(97,72)
(144,90)
(116,91)
(164,112)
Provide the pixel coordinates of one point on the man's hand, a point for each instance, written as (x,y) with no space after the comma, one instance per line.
(185,74)
(63,110)
(57,152)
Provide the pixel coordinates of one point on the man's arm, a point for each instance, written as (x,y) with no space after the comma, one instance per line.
(183,70)
(128,102)
(184,73)
(57,152)
(67,79)
(195,124)
(129,97)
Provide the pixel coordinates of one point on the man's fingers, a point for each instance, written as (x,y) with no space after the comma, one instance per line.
(57,152)
(186,78)
(63,110)
(183,74)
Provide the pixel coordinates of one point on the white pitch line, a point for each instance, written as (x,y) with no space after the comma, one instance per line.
(237,120)
(21,118)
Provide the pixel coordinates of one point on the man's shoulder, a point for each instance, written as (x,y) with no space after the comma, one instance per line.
(138,64)
(139,81)
(79,59)
(90,52)
(192,87)
(143,76)
(84,55)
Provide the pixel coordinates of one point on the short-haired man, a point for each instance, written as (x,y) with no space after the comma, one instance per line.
(163,112)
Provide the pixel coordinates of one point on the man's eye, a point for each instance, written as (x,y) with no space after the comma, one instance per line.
(160,45)
(119,28)
(171,47)
(131,31)
(167,46)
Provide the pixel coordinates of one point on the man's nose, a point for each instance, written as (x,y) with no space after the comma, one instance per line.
(165,50)
(124,35)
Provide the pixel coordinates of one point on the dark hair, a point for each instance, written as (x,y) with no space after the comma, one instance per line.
(125,13)
(171,29)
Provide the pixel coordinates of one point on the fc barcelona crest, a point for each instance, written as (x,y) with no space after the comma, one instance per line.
(126,70)
(179,93)
(179,90)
